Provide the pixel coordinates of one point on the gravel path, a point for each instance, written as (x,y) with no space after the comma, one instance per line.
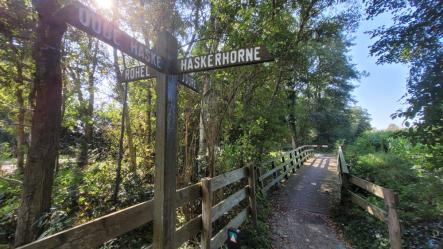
(300,217)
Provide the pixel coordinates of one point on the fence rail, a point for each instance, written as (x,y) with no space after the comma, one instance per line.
(388,215)
(272,172)
(96,232)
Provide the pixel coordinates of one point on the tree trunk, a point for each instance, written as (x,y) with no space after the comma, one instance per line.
(88,111)
(292,120)
(201,128)
(122,130)
(132,152)
(20,128)
(45,129)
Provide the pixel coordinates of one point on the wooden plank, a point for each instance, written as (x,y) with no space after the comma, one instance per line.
(252,193)
(273,170)
(393,221)
(165,149)
(227,178)
(188,231)
(368,186)
(96,232)
(275,181)
(220,238)
(206,213)
(343,165)
(285,168)
(370,208)
(92,232)
(293,161)
(269,161)
(188,194)
(288,152)
(227,204)
(276,174)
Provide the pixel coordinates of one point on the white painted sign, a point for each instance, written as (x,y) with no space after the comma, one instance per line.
(237,57)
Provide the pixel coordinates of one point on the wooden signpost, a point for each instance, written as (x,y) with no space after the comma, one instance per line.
(168,70)
(83,18)
(143,72)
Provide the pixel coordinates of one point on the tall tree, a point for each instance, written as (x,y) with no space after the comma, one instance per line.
(415,38)
(45,130)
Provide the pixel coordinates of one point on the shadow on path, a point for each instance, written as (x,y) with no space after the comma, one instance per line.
(301,207)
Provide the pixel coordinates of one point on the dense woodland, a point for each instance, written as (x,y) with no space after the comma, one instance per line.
(98,155)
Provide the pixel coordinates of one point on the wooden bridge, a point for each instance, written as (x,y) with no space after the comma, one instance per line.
(305,188)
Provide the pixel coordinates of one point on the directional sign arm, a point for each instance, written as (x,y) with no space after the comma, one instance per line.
(85,19)
(243,56)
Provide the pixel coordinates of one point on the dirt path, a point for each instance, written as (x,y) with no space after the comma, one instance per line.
(300,217)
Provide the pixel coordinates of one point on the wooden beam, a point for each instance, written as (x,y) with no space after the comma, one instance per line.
(252,193)
(284,167)
(96,232)
(188,231)
(273,170)
(393,221)
(227,204)
(369,207)
(220,238)
(368,186)
(227,178)
(188,194)
(165,149)
(343,165)
(206,213)
(274,181)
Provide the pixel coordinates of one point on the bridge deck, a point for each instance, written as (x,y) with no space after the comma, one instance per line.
(301,208)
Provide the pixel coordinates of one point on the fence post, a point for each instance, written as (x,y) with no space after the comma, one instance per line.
(285,168)
(393,222)
(293,161)
(252,193)
(298,158)
(207,197)
(343,172)
(275,174)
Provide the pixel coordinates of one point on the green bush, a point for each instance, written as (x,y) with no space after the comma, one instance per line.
(257,237)
(395,162)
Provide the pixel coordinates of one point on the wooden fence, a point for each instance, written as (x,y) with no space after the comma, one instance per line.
(96,232)
(272,172)
(388,215)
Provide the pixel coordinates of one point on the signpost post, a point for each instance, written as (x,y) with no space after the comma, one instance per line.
(166,149)
(168,71)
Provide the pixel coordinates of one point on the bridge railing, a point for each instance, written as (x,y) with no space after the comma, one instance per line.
(388,215)
(96,232)
(271,172)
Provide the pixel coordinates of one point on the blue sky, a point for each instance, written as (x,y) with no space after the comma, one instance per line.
(381,91)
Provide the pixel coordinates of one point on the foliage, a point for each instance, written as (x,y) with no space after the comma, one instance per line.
(361,229)
(242,114)
(415,38)
(393,161)
(9,197)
